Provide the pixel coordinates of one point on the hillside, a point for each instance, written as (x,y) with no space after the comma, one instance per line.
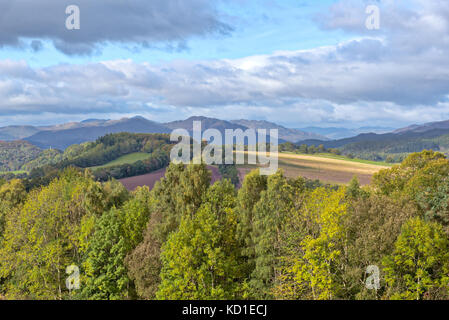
(116,155)
(212,123)
(442,125)
(126,159)
(10,133)
(206,123)
(13,155)
(63,138)
(46,157)
(286,134)
(392,146)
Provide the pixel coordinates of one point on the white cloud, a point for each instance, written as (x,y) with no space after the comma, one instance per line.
(400,74)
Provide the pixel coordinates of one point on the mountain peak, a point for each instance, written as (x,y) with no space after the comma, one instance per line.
(93,120)
(138,118)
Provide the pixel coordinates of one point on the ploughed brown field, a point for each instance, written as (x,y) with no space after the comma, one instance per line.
(312,167)
(150,179)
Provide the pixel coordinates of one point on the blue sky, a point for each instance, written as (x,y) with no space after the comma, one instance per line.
(299,63)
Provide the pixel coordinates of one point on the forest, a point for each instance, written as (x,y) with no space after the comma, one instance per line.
(42,166)
(389,147)
(13,155)
(273,238)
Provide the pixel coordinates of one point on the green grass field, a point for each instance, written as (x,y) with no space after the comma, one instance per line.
(126,159)
(13,172)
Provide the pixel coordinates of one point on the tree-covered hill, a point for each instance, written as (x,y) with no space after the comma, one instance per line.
(95,155)
(14,154)
(11,133)
(393,146)
(101,157)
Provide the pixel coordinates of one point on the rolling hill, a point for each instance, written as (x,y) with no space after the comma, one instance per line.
(63,135)
(90,131)
(371,146)
(14,154)
(395,145)
(441,125)
(11,133)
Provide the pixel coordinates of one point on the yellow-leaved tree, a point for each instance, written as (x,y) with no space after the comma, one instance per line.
(316,271)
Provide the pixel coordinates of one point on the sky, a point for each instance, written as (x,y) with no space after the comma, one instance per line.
(294,62)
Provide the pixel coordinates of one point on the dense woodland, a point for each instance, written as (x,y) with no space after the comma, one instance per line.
(389,147)
(46,164)
(274,238)
(13,155)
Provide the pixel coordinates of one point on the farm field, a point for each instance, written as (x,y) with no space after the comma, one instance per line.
(339,157)
(150,179)
(328,169)
(126,159)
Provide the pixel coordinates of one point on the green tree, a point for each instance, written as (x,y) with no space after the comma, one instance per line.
(248,195)
(418,268)
(48,233)
(317,272)
(372,226)
(179,194)
(270,215)
(303,148)
(106,275)
(117,233)
(353,191)
(12,194)
(200,260)
(393,181)
(134,216)
(429,189)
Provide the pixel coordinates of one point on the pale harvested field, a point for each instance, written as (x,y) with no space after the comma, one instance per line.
(324,169)
(311,167)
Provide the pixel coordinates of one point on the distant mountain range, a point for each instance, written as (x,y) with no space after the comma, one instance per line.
(292,135)
(371,140)
(372,146)
(63,135)
(335,133)
(206,123)
(285,134)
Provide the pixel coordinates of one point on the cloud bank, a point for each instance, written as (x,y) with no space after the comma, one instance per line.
(141,22)
(399,74)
